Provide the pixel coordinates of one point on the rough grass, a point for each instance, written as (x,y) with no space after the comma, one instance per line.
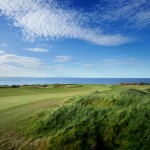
(110,120)
(118,119)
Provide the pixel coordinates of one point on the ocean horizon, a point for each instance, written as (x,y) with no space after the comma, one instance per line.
(68,80)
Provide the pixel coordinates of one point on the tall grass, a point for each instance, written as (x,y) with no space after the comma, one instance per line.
(107,120)
(117,119)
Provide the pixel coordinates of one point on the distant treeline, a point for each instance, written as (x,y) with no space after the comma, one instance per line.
(10,86)
(62,85)
(56,85)
(140,84)
(66,85)
(25,85)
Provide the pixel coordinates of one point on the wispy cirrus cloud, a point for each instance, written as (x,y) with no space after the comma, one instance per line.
(142,19)
(129,14)
(9,70)
(25,66)
(37,49)
(62,58)
(48,19)
(118,61)
(21,61)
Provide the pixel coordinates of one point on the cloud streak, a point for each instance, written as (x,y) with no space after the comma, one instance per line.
(62,58)
(24,66)
(37,49)
(37,18)
(21,61)
(118,61)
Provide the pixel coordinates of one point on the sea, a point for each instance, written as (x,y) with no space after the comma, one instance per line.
(30,81)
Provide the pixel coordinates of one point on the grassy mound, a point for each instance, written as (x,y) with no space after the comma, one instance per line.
(108,120)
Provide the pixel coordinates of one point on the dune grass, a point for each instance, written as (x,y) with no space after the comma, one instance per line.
(109,119)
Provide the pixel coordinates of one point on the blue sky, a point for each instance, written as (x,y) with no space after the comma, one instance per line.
(75,38)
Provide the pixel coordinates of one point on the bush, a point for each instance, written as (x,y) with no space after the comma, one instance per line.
(15,86)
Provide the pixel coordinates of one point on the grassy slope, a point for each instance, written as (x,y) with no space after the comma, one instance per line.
(116,119)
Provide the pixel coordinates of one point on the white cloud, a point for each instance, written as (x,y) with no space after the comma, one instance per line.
(118,61)
(50,20)
(62,58)
(131,14)
(142,19)
(37,49)
(6,67)
(12,65)
(2,52)
(22,61)
(9,70)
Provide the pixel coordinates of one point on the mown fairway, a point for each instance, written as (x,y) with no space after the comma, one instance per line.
(101,113)
(16,103)
(10,97)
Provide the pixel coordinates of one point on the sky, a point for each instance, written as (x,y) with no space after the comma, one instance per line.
(75,38)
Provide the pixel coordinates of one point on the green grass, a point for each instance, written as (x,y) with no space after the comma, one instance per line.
(110,117)
(16,103)
(10,97)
